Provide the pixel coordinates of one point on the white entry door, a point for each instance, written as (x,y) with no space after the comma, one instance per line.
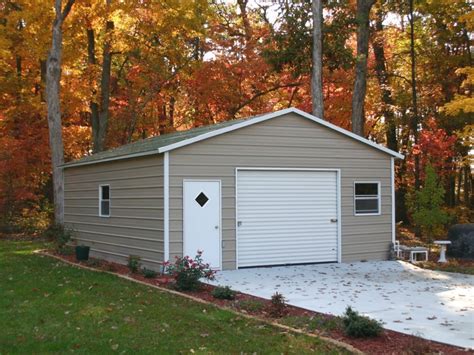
(286,217)
(202,220)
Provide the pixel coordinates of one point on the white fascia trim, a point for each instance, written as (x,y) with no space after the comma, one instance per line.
(71,165)
(166,207)
(273,115)
(392,188)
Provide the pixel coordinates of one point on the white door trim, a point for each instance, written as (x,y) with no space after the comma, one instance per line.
(219,267)
(338,201)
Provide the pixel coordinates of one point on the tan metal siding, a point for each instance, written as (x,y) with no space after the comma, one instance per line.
(135,226)
(289,141)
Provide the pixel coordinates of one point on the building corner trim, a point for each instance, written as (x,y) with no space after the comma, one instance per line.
(392,187)
(166,209)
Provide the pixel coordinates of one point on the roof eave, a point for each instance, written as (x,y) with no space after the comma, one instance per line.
(120,157)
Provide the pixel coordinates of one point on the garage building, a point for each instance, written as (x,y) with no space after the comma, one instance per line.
(276,189)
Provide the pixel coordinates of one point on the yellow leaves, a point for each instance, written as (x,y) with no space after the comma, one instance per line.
(469,72)
(468,18)
(462,103)
(466,137)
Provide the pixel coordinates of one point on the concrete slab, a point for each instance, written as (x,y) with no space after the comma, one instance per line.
(430,304)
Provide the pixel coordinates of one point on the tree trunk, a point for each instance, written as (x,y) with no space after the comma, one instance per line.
(360,84)
(100,112)
(415,120)
(468,185)
(162,120)
(93,105)
(458,186)
(172,109)
(105,89)
(53,77)
(317,70)
(401,193)
(43,70)
(382,78)
(245,19)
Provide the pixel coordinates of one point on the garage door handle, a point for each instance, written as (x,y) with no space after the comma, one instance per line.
(333,220)
(239,223)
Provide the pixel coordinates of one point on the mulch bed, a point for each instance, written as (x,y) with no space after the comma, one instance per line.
(390,342)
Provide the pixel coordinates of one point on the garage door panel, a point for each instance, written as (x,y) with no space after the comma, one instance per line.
(289,246)
(288,230)
(286,217)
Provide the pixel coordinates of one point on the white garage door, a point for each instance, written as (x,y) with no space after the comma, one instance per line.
(286,217)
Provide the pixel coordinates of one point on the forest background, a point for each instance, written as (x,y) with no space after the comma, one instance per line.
(135,69)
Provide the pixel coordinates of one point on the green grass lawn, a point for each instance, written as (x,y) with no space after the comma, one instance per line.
(47,306)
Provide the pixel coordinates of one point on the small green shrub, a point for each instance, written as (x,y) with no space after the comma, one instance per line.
(358,326)
(66,250)
(278,305)
(133,263)
(95,263)
(149,273)
(223,293)
(59,235)
(110,267)
(251,305)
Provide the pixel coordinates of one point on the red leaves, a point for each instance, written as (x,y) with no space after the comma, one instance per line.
(435,145)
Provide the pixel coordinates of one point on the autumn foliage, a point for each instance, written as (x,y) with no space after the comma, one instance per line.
(181,64)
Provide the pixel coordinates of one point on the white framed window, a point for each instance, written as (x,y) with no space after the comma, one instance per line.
(104,200)
(367,198)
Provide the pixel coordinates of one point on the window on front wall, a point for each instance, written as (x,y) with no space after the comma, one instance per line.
(366,198)
(104,200)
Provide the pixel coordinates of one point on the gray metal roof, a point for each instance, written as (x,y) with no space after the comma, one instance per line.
(151,145)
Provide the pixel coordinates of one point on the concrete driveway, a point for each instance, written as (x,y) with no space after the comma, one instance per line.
(433,305)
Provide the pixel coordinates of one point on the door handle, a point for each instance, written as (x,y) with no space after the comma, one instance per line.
(239,223)
(216,227)
(333,220)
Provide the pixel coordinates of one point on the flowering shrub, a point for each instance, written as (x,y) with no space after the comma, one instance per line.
(187,271)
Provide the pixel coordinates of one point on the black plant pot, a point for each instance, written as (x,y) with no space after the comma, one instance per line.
(82,252)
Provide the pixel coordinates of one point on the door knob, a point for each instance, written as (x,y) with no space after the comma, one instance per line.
(216,227)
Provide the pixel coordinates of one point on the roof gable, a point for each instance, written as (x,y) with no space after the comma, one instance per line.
(262,118)
(167,142)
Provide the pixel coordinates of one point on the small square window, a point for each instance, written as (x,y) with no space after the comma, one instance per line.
(366,198)
(104,200)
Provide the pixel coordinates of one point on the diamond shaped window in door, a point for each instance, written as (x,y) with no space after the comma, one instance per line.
(201,199)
